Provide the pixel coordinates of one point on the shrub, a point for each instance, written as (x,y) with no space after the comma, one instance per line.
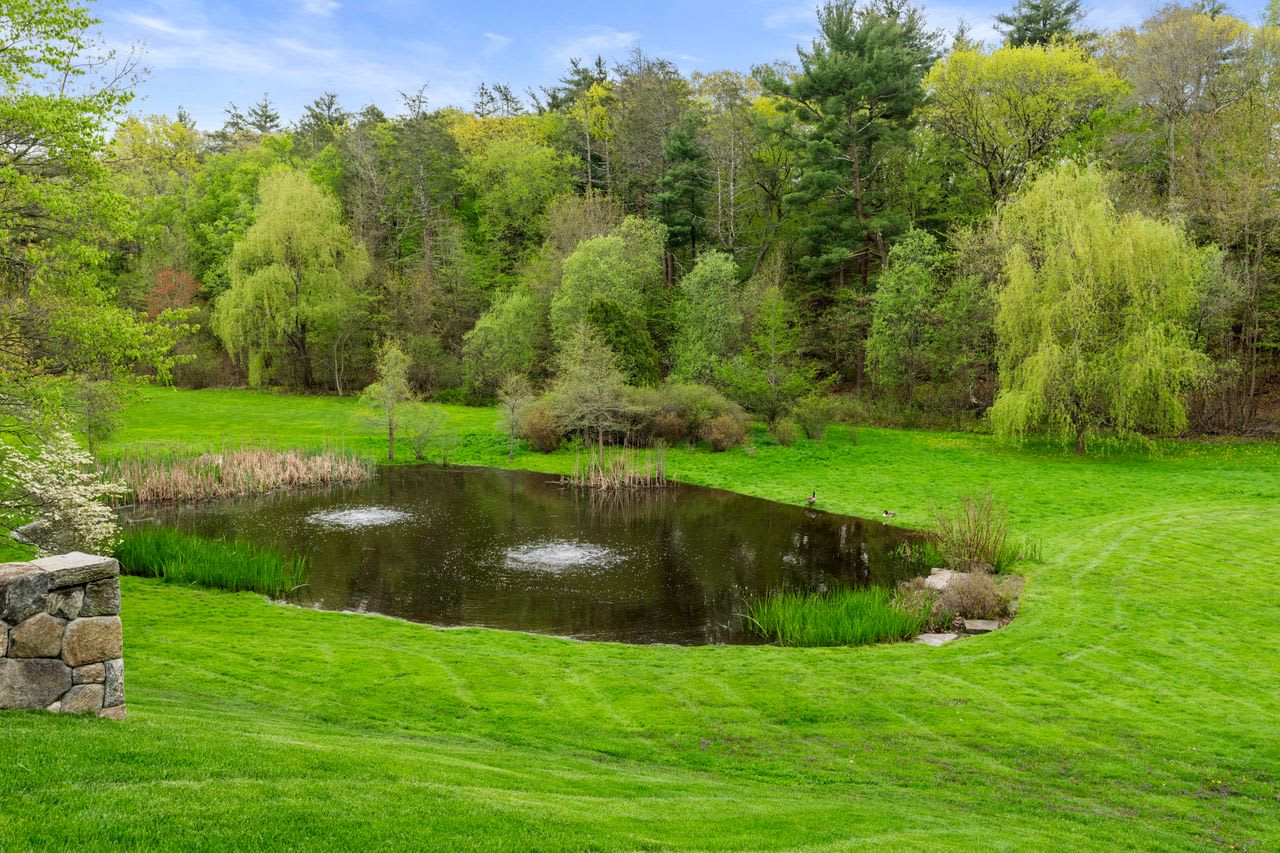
(784,432)
(422,423)
(974,536)
(843,617)
(974,595)
(814,414)
(538,427)
(670,428)
(724,431)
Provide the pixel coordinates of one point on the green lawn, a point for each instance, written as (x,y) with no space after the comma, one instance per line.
(1134,703)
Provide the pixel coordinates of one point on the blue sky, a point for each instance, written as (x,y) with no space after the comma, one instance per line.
(203,53)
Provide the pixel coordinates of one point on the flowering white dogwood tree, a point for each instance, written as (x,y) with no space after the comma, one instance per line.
(58,483)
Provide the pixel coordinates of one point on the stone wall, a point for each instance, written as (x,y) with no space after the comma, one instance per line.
(60,640)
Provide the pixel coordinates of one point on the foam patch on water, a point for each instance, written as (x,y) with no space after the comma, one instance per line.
(356,517)
(560,555)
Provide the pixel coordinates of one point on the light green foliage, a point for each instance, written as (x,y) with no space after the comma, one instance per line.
(708,318)
(515,395)
(1012,109)
(60,214)
(508,338)
(295,268)
(180,558)
(391,391)
(929,324)
(1092,313)
(220,207)
(623,267)
(588,396)
(425,425)
(770,375)
(841,617)
(513,180)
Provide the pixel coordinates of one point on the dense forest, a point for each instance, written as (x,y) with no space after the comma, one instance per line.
(1074,233)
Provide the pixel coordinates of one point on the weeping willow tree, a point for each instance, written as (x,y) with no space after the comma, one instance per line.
(293,274)
(1091,315)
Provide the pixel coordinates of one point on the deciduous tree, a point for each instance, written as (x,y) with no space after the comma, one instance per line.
(1092,314)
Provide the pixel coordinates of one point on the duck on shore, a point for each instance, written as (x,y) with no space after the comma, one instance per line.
(888,514)
(812,499)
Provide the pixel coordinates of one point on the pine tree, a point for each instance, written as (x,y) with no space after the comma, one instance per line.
(855,98)
(1041,22)
(263,117)
(681,196)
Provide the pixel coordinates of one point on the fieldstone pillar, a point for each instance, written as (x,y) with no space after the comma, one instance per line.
(61,646)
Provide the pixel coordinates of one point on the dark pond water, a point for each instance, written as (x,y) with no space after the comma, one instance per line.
(515,550)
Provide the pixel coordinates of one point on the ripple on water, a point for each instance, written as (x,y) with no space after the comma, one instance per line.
(358,516)
(559,555)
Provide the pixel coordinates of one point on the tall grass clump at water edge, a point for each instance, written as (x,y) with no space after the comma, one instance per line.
(841,617)
(233,565)
(235,473)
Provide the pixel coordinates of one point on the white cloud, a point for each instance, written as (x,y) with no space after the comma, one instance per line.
(321,8)
(591,42)
(791,15)
(495,43)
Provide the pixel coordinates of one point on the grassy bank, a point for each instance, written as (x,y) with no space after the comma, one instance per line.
(1132,703)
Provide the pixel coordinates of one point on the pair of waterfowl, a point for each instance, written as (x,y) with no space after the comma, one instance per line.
(813,499)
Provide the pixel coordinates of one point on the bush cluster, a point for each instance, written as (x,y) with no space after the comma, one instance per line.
(675,413)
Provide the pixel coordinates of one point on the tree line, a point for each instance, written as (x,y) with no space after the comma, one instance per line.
(1072,233)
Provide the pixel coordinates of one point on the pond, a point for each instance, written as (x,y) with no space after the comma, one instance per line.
(513,549)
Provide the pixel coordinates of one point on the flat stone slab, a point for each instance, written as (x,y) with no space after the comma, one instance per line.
(980,626)
(940,579)
(935,639)
(76,568)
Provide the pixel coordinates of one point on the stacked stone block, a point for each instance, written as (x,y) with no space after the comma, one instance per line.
(61,647)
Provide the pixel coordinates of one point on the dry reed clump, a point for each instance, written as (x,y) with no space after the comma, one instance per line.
(618,470)
(236,473)
(975,536)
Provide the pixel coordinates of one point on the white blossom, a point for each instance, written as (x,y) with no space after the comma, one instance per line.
(59,482)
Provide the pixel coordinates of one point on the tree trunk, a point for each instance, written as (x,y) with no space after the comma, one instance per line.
(1079,441)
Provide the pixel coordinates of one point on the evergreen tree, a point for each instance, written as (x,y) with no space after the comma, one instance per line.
(263,117)
(680,200)
(1041,22)
(854,98)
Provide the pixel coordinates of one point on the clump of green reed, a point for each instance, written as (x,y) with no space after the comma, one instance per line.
(841,617)
(159,552)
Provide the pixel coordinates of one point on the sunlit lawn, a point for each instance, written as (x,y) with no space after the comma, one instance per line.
(1135,701)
